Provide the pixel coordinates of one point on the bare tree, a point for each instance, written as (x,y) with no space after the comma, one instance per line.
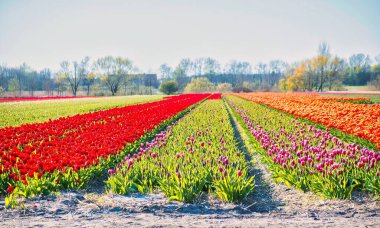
(48,82)
(324,49)
(377,59)
(88,81)
(112,71)
(32,77)
(320,64)
(2,76)
(358,62)
(166,72)
(181,72)
(5,76)
(276,71)
(236,67)
(211,66)
(334,69)
(262,72)
(20,75)
(75,75)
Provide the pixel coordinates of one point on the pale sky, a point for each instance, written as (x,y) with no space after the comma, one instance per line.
(42,33)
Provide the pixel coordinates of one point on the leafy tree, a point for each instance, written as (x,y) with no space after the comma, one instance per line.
(375,82)
(224,87)
(247,85)
(294,78)
(199,85)
(13,85)
(60,82)
(241,89)
(358,71)
(169,87)
(282,84)
(315,74)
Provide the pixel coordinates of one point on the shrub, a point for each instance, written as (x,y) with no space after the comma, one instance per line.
(241,89)
(169,87)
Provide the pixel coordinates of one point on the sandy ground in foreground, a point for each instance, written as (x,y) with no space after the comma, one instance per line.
(76,209)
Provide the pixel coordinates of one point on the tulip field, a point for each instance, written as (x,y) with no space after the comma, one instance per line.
(346,114)
(187,146)
(68,152)
(194,155)
(308,158)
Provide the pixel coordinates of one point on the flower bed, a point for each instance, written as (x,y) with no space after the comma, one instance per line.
(198,154)
(60,150)
(308,158)
(357,119)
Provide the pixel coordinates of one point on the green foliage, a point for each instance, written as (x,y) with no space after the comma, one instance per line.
(13,85)
(241,89)
(224,87)
(199,85)
(70,179)
(198,154)
(169,87)
(247,85)
(231,189)
(332,184)
(183,189)
(348,138)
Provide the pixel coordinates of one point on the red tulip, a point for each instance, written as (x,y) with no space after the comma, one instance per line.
(10,189)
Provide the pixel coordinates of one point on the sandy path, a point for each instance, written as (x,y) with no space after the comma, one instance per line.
(101,210)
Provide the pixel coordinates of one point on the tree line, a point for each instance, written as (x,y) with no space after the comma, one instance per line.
(322,72)
(234,73)
(326,71)
(117,75)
